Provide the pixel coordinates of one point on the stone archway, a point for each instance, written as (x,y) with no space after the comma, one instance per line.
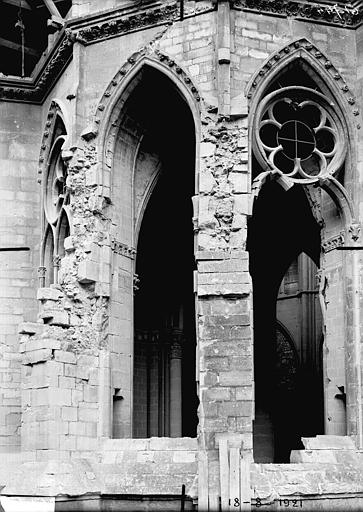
(152,306)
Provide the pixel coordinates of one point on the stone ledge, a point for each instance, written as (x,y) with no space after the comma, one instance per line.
(152,444)
(221,255)
(31,328)
(326,442)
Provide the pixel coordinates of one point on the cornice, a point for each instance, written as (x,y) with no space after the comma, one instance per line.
(142,19)
(332,14)
(36,89)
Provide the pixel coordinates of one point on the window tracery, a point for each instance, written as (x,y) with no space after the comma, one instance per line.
(299,135)
(56,225)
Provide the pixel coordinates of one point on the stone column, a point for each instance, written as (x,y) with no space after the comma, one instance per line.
(176,385)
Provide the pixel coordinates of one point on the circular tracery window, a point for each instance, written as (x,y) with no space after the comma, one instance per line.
(299,134)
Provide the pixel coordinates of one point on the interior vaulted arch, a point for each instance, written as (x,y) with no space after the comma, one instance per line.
(153,317)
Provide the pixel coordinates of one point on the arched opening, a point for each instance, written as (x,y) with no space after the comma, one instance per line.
(284,246)
(300,146)
(48,257)
(155,166)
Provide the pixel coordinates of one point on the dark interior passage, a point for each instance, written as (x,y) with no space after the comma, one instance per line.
(288,403)
(165,399)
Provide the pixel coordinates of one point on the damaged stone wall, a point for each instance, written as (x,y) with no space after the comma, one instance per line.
(80,353)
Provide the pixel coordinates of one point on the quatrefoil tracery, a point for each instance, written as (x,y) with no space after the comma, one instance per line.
(298,134)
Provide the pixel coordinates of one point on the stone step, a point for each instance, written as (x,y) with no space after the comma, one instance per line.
(322,442)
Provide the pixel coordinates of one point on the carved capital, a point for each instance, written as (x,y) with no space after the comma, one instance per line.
(176,350)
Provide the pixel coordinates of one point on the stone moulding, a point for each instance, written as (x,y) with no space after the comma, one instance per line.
(160,15)
(301,47)
(55,109)
(349,17)
(123,249)
(128,67)
(36,90)
(333,242)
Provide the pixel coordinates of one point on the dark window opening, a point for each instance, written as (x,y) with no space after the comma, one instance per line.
(288,380)
(165,395)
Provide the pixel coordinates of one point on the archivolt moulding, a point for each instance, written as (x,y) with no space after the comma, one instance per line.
(304,49)
(146,56)
(56,110)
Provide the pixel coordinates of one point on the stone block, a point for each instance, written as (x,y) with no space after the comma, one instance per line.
(239,182)
(52,294)
(235,440)
(67,382)
(235,408)
(206,182)
(227,265)
(70,413)
(60,397)
(87,414)
(178,443)
(36,356)
(235,378)
(245,393)
(217,394)
(70,370)
(56,317)
(328,442)
(39,343)
(117,445)
(88,271)
(207,149)
(65,357)
(90,393)
(184,457)
(87,443)
(31,328)
(242,204)
(226,289)
(82,372)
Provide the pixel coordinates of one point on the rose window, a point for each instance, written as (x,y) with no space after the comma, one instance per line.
(299,134)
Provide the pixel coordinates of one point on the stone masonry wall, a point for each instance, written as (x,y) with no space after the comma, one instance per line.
(75,314)
(19,256)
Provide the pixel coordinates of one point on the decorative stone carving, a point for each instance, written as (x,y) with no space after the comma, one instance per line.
(333,242)
(299,134)
(150,17)
(176,349)
(301,47)
(332,14)
(354,231)
(35,90)
(123,249)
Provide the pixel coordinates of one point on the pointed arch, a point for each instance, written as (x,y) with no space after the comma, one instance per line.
(323,71)
(46,257)
(109,112)
(334,204)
